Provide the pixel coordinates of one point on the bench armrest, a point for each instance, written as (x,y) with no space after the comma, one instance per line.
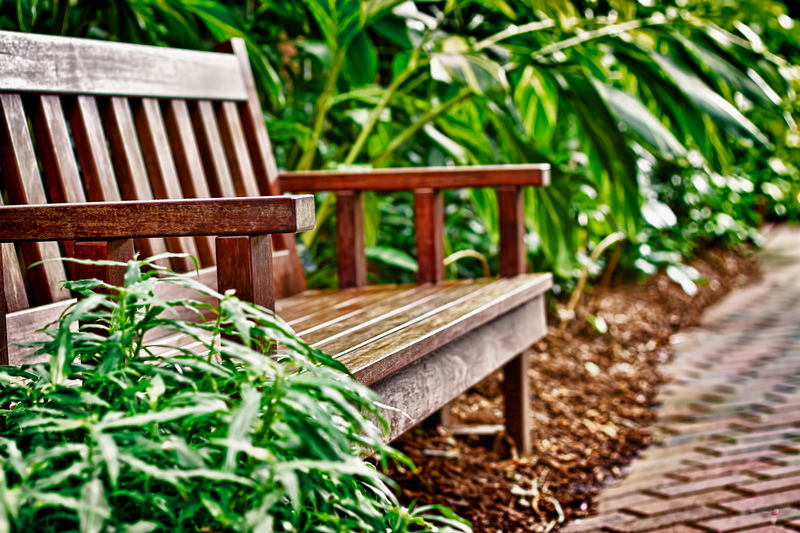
(157,218)
(417,178)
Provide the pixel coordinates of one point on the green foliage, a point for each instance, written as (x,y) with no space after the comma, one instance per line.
(596,88)
(116,433)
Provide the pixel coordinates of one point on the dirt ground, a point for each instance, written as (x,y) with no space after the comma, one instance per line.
(593,400)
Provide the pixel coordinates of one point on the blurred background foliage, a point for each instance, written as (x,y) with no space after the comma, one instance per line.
(668,122)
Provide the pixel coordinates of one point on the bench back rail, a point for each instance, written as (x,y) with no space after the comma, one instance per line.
(94,121)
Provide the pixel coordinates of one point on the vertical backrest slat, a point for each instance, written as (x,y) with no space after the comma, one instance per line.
(16,297)
(266,170)
(129,163)
(288,267)
(54,147)
(212,152)
(232,135)
(90,145)
(55,150)
(24,186)
(13,284)
(189,165)
(161,167)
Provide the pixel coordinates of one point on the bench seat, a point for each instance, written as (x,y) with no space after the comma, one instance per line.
(383,331)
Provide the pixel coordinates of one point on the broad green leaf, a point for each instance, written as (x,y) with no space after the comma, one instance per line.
(362,60)
(617,180)
(719,109)
(641,122)
(338,20)
(477,72)
(95,508)
(393,257)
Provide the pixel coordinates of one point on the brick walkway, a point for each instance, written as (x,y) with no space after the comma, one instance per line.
(727,456)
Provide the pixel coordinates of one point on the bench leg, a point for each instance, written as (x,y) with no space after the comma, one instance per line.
(517,392)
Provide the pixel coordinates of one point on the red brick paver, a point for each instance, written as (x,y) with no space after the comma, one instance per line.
(727,456)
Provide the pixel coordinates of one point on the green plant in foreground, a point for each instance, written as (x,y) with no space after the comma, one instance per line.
(114,434)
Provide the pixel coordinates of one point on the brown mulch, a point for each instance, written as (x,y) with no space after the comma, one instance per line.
(593,400)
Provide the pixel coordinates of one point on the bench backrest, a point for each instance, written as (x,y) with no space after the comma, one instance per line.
(84,120)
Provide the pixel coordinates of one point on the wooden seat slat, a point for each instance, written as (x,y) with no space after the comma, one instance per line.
(359,335)
(189,166)
(388,312)
(392,350)
(331,313)
(295,308)
(24,186)
(161,168)
(126,155)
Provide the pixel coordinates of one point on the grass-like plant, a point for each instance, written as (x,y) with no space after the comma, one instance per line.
(245,428)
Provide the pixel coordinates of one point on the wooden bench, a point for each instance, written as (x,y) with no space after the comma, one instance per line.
(173,146)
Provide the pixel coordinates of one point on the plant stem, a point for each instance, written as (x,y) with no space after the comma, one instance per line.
(513,30)
(321,110)
(355,150)
(412,130)
(61,17)
(597,34)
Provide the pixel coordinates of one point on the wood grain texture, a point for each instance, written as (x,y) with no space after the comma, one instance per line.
(360,312)
(212,151)
(429,227)
(24,326)
(3,317)
(513,253)
(126,154)
(24,185)
(189,166)
(236,150)
(117,250)
(403,179)
(350,240)
(392,350)
(48,64)
(245,265)
(173,218)
(90,145)
(255,132)
(346,337)
(431,382)
(54,147)
(288,271)
(16,297)
(517,401)
(161,170)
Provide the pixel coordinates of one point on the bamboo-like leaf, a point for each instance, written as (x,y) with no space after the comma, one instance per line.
(393,257)
(95,508)
(719,109)
(641,122)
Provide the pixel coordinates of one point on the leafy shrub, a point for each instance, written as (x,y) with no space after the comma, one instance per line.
(113,433)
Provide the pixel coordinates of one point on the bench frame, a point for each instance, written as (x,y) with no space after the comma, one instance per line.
(198,132)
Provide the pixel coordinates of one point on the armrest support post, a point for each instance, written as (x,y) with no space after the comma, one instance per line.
(513,258)
(244,263)
(121,250)
(350,239)
(429,224)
